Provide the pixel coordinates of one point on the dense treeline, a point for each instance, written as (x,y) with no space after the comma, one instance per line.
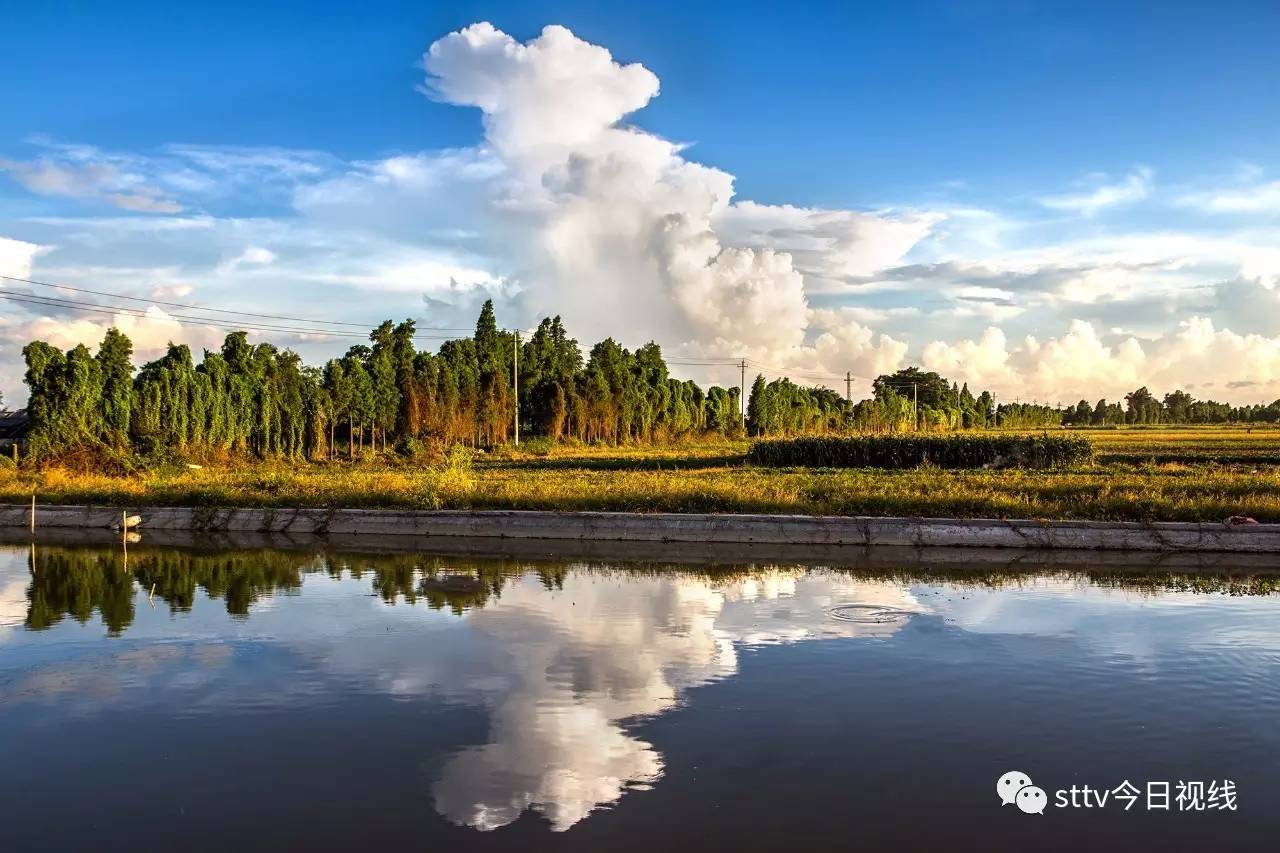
(926,399)
(257,400)
(1177,407)
(908,399)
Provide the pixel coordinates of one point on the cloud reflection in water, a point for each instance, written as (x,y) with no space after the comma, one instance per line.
(574,664)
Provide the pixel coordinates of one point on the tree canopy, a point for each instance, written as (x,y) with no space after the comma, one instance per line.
(255,399)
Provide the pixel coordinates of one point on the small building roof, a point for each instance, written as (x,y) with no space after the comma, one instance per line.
(14,424)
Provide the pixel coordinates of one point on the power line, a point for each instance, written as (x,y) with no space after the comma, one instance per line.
(115,310)
(75,305)
(796,372)
(702,364)
(789,372)
(190,307)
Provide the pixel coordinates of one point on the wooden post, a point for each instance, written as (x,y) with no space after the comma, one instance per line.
(33,513)
(515,382)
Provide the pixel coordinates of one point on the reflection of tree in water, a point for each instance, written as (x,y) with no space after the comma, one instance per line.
(453,584)
(1209,584)
(240,579)
(446,585)
(408,577)
(1151,581)
(76,582)
(460,593)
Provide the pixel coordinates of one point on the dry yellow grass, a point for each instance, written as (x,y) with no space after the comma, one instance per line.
(712,477)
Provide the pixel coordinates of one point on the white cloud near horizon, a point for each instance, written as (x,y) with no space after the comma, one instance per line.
(1082,364)
(564,208)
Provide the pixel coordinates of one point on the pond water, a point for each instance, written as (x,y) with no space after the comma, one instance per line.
(260,695)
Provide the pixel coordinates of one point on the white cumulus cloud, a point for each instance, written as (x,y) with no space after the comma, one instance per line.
(1084,363)
(618,230)
(17,256)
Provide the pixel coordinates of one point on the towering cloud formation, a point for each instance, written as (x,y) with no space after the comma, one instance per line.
(630,235)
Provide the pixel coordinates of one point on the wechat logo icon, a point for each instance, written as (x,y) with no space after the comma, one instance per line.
(1015,787)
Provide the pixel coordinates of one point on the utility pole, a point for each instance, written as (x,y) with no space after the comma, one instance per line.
(848,387)
(742,393)
(515,382)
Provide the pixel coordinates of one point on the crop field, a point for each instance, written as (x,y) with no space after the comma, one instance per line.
(1200,474)
(1192,444)
(954,450)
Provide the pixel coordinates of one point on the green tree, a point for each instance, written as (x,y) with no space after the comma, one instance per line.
(115,362)
(1141,407)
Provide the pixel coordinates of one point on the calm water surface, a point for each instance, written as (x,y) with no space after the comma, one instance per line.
(311,697)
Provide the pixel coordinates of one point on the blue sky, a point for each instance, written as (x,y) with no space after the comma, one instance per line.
(829,103)
(935,171)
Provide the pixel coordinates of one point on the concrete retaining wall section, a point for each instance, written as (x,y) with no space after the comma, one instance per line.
(672,527)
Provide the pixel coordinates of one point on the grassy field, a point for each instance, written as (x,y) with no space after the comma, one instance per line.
(1259,446)
(1202,474)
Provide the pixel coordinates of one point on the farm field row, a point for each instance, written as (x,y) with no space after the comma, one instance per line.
(1199,482)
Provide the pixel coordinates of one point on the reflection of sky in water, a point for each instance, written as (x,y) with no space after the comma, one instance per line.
(575,663)
(560,672)
(1110,620)
(13,601)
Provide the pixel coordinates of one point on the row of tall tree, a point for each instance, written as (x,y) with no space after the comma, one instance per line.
(255,399)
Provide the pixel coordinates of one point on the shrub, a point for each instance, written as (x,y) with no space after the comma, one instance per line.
(410,447)
(538,446)
(454,479)
(912,451)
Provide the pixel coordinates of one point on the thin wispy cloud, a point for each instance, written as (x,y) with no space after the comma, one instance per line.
(1134,188)
(102,181)
(1258,198)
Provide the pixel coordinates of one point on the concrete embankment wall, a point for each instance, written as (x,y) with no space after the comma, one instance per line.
(671,527)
